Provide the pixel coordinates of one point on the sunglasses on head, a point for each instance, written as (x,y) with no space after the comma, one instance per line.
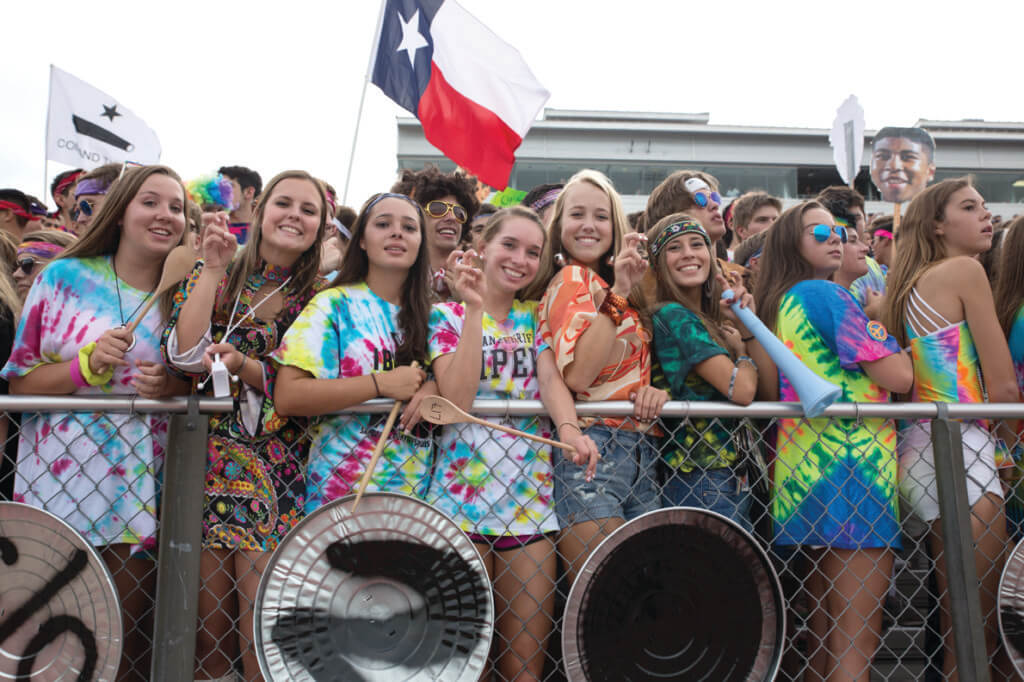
(25,265)
(822,232)
(704,197)
(438,209)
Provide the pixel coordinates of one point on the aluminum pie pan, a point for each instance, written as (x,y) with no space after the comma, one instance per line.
(678,593)
(395,591)
(60,617)
(1010,607)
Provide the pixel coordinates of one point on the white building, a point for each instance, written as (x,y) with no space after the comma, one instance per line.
(637,150)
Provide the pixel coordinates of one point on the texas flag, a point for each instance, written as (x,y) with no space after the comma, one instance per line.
(473,94)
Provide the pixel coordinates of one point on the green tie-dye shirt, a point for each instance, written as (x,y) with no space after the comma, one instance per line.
(681,342)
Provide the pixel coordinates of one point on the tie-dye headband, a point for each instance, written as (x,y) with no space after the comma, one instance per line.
(43,250)
(546,199)
(91,186)
(677,230)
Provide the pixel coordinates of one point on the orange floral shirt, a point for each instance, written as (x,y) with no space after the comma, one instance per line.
(566,311)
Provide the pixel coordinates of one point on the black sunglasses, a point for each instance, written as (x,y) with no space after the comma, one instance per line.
(25,265)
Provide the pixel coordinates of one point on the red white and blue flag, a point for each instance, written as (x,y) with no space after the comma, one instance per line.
(473,94)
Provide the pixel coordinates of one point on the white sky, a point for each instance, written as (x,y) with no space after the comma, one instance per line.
(276,85)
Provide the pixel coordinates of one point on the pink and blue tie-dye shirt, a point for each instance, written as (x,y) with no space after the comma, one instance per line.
(489,482)
(98,471)
(349,331)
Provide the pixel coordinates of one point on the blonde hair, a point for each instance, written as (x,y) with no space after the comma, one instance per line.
(553,246)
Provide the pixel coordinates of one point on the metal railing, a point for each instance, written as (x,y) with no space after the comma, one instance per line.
(176,618)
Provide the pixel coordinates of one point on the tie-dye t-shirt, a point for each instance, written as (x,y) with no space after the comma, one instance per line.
(566,311)
(489,482)
(1016,341)
(681,342)
(874,280)
(98,471)
(835,480)
(349,331)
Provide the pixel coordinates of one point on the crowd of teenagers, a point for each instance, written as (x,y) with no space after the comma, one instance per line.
(316,308)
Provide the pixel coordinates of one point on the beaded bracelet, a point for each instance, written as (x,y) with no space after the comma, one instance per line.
(748,359)
(732,382)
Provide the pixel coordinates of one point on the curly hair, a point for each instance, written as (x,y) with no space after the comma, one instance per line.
(432,183)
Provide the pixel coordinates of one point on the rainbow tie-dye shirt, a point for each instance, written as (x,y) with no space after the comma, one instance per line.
(835,480)
(349,331)
(98,471)
(489,482)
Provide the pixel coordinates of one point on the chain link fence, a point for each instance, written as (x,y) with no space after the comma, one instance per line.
(879,519)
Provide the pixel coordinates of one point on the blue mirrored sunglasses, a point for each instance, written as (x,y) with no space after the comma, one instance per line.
(822,232)
(704,197)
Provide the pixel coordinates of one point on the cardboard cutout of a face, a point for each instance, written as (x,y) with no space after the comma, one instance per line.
(902,162)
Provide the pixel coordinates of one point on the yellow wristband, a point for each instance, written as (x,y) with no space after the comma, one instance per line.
(91,377)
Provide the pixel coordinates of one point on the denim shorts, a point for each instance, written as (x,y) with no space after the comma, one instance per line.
(724,491)
(624,485)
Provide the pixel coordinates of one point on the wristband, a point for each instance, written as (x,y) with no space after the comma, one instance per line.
(90,377)
(613,306)
(76,373)
(732,383)
(376,386)
(747,359)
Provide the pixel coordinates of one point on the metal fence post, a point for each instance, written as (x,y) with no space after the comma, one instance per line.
(961,574)
(177,589)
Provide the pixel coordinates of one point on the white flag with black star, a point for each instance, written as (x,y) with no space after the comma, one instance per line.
(88,128)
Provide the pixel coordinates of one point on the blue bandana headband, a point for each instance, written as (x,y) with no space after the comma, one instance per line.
(677,230)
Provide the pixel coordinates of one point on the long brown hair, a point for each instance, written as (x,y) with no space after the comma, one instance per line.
(781,265)
(104,235)
(553,247)
(1009,290)
(667,291)
(918,248)
(248,261)
(414,310)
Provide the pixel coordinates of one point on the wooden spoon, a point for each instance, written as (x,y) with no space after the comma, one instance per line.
(437,410)
(177,266)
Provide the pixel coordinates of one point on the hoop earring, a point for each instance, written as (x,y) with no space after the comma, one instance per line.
(610,260)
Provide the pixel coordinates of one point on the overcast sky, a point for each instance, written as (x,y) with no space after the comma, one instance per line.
(276,85)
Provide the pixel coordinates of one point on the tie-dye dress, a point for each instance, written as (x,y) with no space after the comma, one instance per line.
(99,471)
(349,331)
(835,480)
(489,482)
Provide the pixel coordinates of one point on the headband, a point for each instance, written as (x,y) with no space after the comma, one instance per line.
(546,199)
(677,230)
(63,185)
(91,186)
(390,195)
(756,254)
(342,230)
(884,233)
(17,210)
(843,221)
(39,250)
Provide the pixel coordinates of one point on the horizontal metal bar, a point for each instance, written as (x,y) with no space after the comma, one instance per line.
(762,410)
(114,403)
(528,408)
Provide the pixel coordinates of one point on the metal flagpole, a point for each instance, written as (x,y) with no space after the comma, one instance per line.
(46,138)
(362,98)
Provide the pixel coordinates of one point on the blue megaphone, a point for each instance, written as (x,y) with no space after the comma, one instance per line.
(815,393)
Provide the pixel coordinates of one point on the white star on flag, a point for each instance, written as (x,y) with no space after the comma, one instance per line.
(412,40)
